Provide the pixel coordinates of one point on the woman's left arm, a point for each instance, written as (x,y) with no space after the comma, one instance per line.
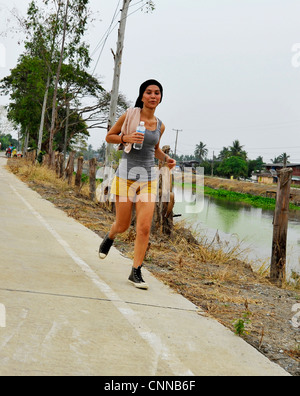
(161,156)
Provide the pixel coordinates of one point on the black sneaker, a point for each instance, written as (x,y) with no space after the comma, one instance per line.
(105,247)
(137,280)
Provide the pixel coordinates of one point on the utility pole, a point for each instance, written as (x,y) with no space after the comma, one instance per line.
(177,131)
(117,75)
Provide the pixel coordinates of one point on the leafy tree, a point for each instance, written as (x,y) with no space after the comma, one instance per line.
(79,145)
(7,140)
(50,84)
(233,166)
(225,153)
(26,86)
(236,150)
(102,151)
(255,165)
(54,33)
(41,30)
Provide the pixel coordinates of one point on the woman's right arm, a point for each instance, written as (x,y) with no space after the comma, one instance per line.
(113,136)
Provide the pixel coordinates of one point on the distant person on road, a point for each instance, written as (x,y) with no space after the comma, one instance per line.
(9,150)
(136,179)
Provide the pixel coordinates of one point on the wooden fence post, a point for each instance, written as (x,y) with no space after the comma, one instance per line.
(163,215)
(57,163)
(46,160)
(281,218)
(30,156)
(61,165)
(34,157)
(79,172)
(70,168)
(93,170)
(52,160)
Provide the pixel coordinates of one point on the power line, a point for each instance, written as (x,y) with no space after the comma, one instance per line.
(105,36)
(108,30)
(274,148)
(111,28)
(269,125)
(260,148)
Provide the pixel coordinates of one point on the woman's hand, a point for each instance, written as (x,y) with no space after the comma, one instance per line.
(171,163)
(134,137)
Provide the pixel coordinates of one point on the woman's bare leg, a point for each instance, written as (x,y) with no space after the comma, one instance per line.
(144,213)
(123,218)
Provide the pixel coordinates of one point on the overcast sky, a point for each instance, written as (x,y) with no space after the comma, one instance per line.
(227,68)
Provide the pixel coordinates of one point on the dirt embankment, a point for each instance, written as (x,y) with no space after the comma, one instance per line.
(208,274)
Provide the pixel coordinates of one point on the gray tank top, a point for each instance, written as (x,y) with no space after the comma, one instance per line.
(140,164)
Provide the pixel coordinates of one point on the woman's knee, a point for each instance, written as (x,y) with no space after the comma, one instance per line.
(143,230)
(121,228)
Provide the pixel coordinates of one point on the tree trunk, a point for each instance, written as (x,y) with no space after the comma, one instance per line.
(53,119)
(43,115)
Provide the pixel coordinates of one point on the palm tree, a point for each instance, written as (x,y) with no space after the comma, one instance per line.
(275,160)
(236,150)
(284,158)
(201,151)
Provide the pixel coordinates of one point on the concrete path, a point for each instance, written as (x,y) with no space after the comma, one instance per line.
(68,313)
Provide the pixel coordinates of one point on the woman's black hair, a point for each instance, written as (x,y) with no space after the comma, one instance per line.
(143,88)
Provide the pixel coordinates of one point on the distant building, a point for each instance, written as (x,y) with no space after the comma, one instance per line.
(269,175)
(189,164)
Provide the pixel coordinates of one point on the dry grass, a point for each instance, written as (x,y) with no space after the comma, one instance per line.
(239,186)
(28,172)
(200,270)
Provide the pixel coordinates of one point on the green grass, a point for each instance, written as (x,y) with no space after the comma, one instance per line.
(254,200)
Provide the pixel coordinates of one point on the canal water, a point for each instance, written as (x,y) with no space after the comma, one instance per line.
(239,223)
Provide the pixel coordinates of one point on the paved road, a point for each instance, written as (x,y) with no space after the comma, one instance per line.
(67,313)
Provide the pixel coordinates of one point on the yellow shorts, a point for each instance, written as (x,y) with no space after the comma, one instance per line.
(132,189)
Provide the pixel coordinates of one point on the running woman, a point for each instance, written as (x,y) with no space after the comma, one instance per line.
(136,178)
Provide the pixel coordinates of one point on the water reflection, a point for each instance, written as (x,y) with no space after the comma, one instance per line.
(228,213)
(253,226)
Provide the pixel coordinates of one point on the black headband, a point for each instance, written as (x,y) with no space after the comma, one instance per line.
(143,88)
